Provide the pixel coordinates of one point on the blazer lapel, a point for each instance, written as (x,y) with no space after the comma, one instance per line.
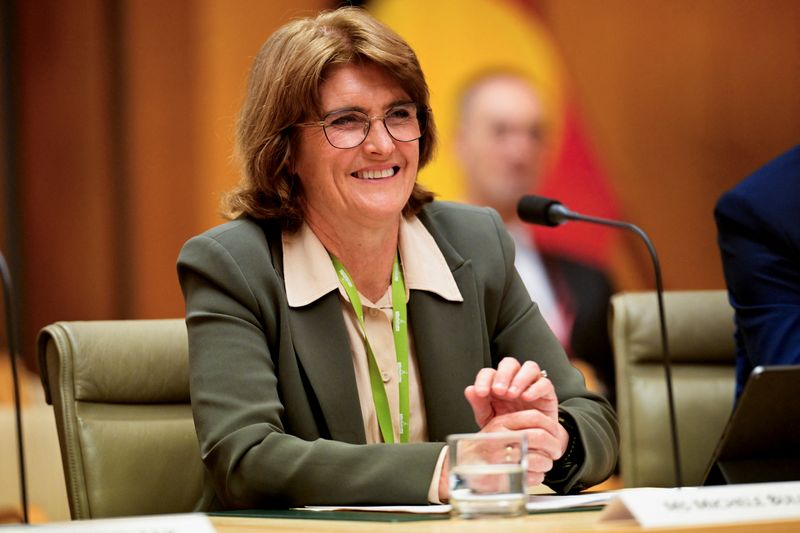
(323,348)
(450,349)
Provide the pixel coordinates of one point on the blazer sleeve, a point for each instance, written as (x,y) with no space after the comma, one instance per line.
(236,325)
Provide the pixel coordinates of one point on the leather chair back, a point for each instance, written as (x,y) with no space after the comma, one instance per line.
(120,391)
(700,328)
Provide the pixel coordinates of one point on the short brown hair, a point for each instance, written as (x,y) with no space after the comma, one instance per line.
(284,90)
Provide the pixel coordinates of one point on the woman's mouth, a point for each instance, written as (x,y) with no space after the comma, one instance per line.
(376,174)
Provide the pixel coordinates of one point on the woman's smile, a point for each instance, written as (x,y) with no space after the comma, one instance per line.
(376,174)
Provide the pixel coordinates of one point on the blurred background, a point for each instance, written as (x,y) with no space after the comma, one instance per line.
(116,122)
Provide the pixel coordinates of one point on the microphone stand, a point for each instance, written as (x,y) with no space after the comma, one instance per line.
(12,354)
(556,213)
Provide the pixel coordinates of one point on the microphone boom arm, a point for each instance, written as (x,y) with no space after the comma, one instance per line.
(555,214)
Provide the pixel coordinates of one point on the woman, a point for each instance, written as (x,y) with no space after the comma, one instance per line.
(337,323)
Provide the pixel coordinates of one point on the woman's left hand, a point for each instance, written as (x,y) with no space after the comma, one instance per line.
(511,388)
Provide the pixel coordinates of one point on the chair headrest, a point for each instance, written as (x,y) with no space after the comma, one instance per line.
(121,361)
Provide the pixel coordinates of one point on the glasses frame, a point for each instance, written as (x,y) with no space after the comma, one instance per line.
(422,119)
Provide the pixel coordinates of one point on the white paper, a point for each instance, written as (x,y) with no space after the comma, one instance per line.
(415,509)
(555,502)
(706,505)
(535,503)
(175,523)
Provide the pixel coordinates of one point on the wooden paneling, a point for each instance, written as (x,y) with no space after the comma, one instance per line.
(127,110)
(64,159)
(186,68)
(160,71)
(233,32)
(684,99)
(125,126)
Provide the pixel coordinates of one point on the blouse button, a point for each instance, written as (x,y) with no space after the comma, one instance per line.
(386,377)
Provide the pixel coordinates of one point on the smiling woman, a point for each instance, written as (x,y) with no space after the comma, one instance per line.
(342,324)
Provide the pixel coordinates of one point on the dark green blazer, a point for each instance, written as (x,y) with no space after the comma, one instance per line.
(273,388)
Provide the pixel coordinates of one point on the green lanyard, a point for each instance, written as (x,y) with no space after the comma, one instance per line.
(400,332)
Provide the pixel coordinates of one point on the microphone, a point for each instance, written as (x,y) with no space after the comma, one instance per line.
(548,212)
(12,354)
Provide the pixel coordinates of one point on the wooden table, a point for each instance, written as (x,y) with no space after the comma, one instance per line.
(572,522)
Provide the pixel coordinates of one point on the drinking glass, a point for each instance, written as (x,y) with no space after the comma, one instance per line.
(488,473)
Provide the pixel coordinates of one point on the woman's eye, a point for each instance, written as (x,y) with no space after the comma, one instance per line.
(399,113)
(346,121)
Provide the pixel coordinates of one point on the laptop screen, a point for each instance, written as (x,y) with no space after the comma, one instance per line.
(761,441)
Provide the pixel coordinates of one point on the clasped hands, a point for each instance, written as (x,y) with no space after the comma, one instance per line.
(518,397)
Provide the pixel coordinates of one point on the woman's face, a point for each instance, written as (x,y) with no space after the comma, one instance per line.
(371,183)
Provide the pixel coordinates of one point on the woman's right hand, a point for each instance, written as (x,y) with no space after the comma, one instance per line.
(510,388)
(547,439)
(520,397)
(547,442)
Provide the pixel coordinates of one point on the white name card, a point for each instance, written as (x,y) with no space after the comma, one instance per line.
(754,502)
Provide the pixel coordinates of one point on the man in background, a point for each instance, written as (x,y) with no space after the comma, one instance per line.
(758,225)
(501,142)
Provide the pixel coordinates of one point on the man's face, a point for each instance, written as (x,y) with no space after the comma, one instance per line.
(500,142)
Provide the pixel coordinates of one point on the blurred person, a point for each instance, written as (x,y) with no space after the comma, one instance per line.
(758,227)
(502,144)
(343,323)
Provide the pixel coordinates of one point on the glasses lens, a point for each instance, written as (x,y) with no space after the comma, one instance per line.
(348,129)
(402,123)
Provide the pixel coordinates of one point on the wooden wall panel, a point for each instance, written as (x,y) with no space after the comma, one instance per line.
(125,120)
(233,33)
(64,164)
(4,111)
(159,80)
(186,66)
(684,100)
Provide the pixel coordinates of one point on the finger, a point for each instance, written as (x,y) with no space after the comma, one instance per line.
(530,419)
(483,381)
(524,378)
(481,406)
(542,432)
(543,442)
(542,388)
(506,371)
(539,462)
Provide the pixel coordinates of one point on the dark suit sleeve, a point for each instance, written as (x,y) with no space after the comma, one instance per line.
(236,329)
(520,330)
(758,227)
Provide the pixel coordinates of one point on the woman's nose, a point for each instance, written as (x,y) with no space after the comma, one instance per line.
(378,138)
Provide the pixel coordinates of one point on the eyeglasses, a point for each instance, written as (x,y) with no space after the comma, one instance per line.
(349,128)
